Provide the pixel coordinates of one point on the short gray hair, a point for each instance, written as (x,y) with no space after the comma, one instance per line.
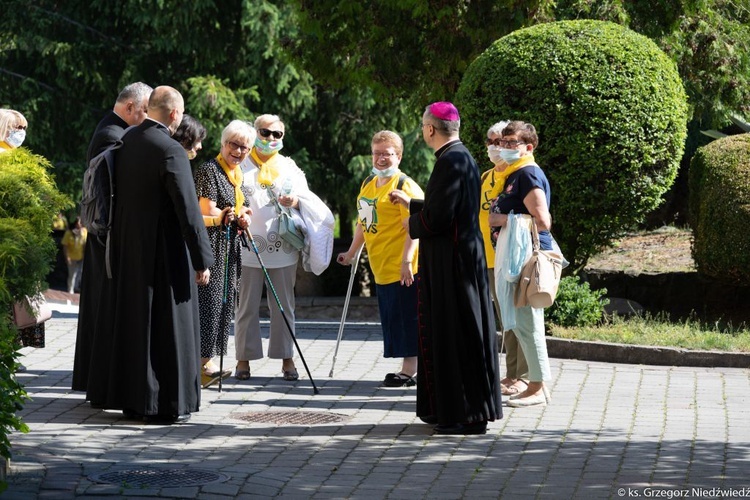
(267,119)
(238,129)
(136,92)
(497,128)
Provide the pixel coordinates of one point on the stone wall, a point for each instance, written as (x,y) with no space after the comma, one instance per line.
(679,294)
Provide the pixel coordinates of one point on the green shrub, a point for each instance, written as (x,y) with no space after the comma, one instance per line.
(577,304)
(719,209)
(28,202)
(610,111)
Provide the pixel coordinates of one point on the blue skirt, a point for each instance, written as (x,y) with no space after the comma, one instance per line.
(398,316)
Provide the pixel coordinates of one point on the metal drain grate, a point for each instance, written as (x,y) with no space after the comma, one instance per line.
(291,417)
(164,478)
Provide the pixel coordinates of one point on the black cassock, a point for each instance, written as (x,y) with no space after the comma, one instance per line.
(457,379)
(159,241)
(94,315)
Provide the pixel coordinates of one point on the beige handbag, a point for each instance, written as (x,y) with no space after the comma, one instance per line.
(31,311)
(540,276)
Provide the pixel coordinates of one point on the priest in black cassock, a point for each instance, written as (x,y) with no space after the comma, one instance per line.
(458,384)
(94,315)
(160,252)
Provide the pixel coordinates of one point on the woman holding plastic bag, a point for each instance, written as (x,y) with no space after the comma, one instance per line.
(527,192)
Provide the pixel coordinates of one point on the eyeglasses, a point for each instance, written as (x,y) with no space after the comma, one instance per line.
(234,145)
(509,144)
(383,155)
(494,142)
(20,127)
(264,132)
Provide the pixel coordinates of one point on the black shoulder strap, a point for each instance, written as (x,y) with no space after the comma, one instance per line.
(401,179)
(485,174)
(367,179)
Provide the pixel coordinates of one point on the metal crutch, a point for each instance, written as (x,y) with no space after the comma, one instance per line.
(354,263)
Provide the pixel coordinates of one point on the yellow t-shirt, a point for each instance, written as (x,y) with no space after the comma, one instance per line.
(383,228)
(491,188)
(73,245)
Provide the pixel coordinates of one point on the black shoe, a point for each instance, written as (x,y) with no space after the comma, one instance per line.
(462,429)
(129,414)
(20,368)
(399,380)
(167,419)
(429,419)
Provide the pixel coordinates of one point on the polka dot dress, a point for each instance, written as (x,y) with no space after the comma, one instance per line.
(216,300)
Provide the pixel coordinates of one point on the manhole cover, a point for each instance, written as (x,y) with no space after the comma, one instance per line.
(165,478)
(291,417)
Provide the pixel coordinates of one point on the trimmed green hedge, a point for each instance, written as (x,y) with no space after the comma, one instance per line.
(719,209)
(611,113)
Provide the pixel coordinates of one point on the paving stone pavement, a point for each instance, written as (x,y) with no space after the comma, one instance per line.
(611,431)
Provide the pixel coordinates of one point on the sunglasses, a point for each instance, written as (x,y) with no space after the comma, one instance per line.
(264,132)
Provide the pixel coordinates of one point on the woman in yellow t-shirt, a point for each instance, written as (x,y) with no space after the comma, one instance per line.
(493,181)
(73,243)
(392,254)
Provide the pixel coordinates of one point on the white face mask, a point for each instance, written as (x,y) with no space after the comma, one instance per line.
(16,137)
(493,152)
(384,174)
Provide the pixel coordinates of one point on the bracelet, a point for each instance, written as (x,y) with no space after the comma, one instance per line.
(405,262)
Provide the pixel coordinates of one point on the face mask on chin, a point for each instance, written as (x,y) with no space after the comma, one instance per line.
(268,147)
(16,137)
(384,174)
(192,154)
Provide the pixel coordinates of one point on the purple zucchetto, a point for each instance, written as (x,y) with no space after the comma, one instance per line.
(444,110)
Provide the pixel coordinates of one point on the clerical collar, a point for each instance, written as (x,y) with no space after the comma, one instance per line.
(445,147)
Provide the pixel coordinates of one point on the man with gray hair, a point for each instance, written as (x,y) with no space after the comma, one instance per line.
(458,385)
(92,337)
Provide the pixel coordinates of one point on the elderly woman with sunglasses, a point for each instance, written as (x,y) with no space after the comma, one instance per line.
(271,179)
(526,190)
(224,200)
(12,129)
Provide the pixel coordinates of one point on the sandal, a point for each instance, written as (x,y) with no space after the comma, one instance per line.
(399,380)
(509,390)
(291,375)
(242,374)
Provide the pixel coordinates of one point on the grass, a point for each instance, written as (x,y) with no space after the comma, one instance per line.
(659,331)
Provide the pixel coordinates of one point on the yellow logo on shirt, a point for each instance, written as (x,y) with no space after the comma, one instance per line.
(368,214)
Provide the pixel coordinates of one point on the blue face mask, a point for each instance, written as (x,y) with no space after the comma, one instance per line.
(384,174)
(268,147)
(510,155)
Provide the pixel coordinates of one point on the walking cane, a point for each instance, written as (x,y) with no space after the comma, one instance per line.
(224,303)
(278,303)
(353,273)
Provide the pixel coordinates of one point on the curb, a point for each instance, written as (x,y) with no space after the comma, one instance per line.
(643,355)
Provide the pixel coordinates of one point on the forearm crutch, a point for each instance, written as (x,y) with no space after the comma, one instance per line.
(354,263)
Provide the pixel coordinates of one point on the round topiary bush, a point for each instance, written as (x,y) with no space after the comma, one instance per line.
(577,304)
(611,114)
(719,209)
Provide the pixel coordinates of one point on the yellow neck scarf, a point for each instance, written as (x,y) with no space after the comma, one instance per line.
(501,177)
(269,170)
(235,177)
(5,145)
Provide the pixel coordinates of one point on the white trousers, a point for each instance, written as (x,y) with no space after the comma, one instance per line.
(247,339)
